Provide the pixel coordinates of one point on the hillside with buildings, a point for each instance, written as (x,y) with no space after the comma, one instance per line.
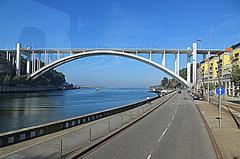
(224,67)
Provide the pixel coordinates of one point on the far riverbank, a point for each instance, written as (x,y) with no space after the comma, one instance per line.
(29,89)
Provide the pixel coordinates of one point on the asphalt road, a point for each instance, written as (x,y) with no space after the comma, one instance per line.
(173,131)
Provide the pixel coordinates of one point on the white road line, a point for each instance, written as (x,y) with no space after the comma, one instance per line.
(150,154)
(169,124)
(176,110)
(162,135)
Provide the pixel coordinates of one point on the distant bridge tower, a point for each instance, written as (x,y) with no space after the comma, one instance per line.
(194,62)
(18,59)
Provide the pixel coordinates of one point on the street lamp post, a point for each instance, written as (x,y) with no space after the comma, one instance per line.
(219,96)
(208,78)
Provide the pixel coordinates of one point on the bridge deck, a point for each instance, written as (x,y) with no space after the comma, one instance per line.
(133,51)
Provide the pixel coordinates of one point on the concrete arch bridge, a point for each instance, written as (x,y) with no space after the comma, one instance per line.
(53,58)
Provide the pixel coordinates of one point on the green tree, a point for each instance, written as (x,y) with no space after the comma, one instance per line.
(51,77)
(183,73)
(19,80)
(164,82)
(7,80)
(236,77)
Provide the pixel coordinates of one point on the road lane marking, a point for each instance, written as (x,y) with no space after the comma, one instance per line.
(162,135)
(169,124)
(175,112)
(150,154)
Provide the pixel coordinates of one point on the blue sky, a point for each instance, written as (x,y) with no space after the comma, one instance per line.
(115,23)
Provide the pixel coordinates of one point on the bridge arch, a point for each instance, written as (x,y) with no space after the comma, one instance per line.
(107,52)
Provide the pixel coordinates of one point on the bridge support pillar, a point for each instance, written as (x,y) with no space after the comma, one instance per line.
(45,58)
(175,63)
(33,61)
(38,63)
(188,69)
(51,58)
(58,55)
(194,61)
(28,65)
(18,59)
(13,61)
(150,55)
(7,55)
(178,62)
(164,58)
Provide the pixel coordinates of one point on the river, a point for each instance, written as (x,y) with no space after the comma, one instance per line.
(29,109)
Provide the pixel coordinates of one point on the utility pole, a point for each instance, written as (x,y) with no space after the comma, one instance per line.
(219,96)
(208,77)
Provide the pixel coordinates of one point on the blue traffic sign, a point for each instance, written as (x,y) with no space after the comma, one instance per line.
(220,91)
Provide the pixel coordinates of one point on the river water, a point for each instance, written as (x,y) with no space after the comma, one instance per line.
(29,109)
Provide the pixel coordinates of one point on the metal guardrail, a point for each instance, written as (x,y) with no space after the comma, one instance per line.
(13,137)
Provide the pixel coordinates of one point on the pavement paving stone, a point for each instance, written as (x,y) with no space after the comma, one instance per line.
(228,136)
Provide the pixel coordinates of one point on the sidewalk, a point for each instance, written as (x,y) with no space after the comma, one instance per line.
(227,137)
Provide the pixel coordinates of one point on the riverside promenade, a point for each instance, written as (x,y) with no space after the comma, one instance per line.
(64,143)
(226,138)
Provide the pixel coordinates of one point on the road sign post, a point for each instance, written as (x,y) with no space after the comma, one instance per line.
(220,91)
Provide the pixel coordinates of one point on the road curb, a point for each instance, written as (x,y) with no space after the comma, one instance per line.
(211,136)
(90,148)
